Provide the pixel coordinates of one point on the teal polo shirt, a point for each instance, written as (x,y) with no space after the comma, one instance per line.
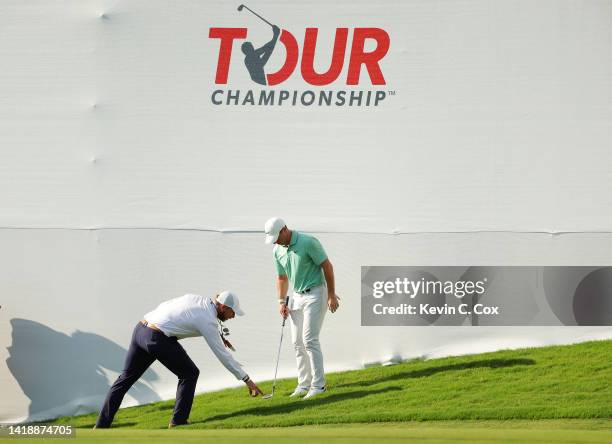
(301,261)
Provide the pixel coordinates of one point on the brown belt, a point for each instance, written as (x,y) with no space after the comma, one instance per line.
(151,326)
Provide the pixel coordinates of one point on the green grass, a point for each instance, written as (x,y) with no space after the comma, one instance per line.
(572,381)
(541,395)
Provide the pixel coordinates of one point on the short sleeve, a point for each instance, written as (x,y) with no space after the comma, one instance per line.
(316,251)
(280,271)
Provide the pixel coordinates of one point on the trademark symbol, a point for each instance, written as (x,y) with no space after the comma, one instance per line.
(391,93)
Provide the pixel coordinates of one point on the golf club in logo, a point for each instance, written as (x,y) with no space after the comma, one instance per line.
(256,59)
(298,56)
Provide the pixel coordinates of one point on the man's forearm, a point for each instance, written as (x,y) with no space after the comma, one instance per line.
(282,285)
(328,272)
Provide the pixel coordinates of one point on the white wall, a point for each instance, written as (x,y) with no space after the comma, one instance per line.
(122,185)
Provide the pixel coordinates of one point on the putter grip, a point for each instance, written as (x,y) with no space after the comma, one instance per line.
(286,305)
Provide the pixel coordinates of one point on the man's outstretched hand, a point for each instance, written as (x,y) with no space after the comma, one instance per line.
(253,389)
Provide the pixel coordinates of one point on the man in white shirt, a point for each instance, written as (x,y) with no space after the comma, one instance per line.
(156,338)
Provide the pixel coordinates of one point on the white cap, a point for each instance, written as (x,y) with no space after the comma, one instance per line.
(273,227)
(231,300)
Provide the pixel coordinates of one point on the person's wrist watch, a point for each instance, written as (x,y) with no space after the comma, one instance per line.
(281,301)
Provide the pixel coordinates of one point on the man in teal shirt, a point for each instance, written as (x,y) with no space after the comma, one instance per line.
(300,259)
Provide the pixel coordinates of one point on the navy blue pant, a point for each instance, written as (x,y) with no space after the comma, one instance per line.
(148,345)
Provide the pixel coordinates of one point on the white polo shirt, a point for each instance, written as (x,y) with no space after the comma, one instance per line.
(191,316)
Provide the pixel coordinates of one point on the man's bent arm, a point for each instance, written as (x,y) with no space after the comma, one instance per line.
(266,50)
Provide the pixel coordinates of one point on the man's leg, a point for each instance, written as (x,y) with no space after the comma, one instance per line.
(314,313)
(296,318)
(174,357)
(136,363)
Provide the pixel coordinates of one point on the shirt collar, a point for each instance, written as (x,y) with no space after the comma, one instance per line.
(294,237)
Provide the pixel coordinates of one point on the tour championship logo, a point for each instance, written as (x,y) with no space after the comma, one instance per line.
(362,67)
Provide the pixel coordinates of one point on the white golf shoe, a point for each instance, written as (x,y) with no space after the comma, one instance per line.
(314,392)
(298,392)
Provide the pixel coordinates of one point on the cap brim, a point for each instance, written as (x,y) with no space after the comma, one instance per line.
(270,238)
(238,311)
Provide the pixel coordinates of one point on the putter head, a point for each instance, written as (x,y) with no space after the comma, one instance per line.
(268,396)
(240,7)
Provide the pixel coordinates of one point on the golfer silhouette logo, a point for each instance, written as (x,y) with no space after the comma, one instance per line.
(256,59)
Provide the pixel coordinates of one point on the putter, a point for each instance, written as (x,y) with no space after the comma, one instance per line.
(254,13)
(269,395)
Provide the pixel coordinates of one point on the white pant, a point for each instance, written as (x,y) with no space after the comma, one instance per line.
(306,312)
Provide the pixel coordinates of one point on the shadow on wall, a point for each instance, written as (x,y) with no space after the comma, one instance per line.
(54,369)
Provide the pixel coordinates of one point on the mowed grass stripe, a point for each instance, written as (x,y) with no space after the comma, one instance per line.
(591,431)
